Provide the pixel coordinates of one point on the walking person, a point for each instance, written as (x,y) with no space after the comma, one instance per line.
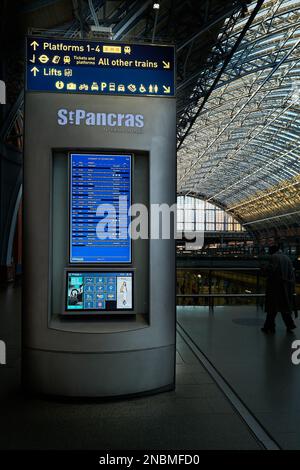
(280,289)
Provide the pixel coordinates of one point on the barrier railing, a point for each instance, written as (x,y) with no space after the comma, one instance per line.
(212,297)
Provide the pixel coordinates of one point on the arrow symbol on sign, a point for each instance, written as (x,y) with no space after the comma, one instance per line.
(33,59)
(34,44)
(35,70)
(166,65)
(167,89)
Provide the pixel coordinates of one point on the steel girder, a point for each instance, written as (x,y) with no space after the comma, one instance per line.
(244,142)
(216,63)
(243,150)
(258,51)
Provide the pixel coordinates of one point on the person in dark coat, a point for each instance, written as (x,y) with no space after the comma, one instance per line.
(280,290)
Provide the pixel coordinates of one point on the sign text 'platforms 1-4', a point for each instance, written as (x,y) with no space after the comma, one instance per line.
(93,67)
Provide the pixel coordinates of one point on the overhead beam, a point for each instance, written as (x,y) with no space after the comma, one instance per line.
(205,28)
(130,19)
(220,73)
(37,5)
(279,216)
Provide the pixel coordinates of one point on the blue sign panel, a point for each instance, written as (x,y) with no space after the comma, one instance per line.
(67,66)
(100,197)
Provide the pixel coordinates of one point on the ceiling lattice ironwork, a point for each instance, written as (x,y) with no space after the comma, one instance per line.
(238,69)
(243,150)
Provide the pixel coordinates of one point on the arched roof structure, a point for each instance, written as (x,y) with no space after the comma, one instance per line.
(238,77)
(243,149)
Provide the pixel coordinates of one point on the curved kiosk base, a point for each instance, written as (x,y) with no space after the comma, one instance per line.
(99,375)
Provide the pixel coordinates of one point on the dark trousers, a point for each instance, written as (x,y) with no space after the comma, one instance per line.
(286,317)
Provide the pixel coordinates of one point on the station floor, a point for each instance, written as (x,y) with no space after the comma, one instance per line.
(197,415)
(257,366)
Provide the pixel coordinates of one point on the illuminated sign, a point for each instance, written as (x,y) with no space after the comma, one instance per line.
(92,67)
(100,197)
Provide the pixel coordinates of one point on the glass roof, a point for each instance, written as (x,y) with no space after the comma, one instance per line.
(243,151)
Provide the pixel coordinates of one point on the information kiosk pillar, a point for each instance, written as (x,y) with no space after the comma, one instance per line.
(98,311)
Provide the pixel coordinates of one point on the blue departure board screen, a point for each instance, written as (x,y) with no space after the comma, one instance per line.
(99,292)
(100,197)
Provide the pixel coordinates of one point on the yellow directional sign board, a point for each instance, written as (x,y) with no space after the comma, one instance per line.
(67,66)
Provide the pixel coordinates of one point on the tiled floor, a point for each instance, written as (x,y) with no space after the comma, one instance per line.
(195,416)
(258,367)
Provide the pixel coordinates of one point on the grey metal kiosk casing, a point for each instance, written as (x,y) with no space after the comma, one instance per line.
(96,358)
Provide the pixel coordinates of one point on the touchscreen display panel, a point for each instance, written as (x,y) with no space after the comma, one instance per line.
(99,291)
